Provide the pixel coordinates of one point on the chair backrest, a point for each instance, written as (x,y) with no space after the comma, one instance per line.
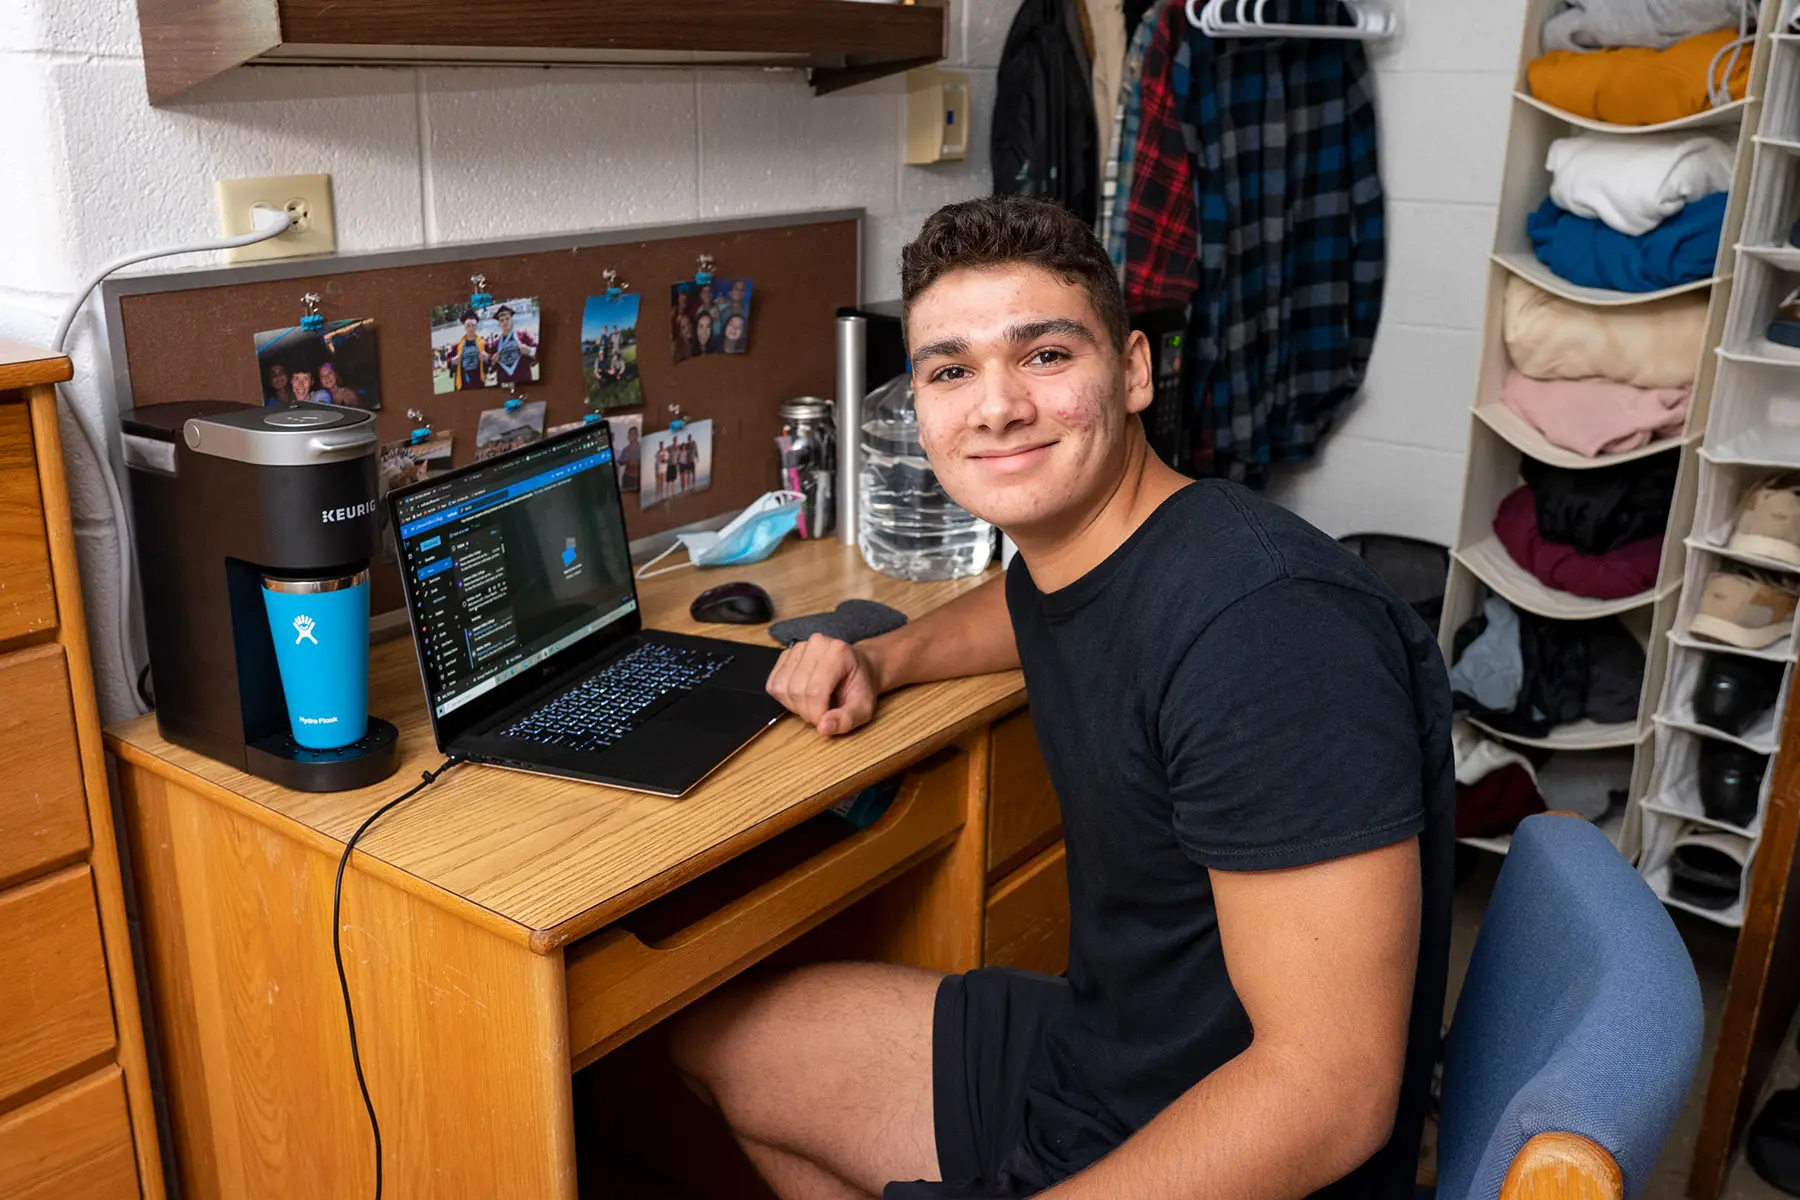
(1580,1014)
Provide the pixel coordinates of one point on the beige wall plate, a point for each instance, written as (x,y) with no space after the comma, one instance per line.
(937,116)
(307,198)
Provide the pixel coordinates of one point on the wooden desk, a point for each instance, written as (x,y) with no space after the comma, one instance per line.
(499,928)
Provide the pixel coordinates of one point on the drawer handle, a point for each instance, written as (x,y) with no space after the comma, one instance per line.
(615,962)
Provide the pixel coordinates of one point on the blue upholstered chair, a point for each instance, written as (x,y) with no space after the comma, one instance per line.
(1577,1032)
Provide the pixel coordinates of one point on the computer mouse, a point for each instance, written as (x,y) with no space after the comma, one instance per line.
(735,603)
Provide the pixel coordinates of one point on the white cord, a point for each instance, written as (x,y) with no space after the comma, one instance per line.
(1719,94)
(271,223)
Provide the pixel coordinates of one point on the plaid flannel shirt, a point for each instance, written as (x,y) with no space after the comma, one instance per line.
(1161,230)
(1292,247)
(1115,185)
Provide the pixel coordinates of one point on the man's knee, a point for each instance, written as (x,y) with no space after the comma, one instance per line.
(700,1041)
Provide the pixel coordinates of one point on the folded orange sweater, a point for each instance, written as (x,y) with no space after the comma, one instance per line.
(1635,85)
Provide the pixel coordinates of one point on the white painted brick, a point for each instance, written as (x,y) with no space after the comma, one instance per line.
(988,21)
(97,551)
(1418,389)
(1443,137)
(929,187)
(767,144)
(137,177)
(1361,486)
(514,152)
(955,26)
(86,27)
(1457,35)
(33,247)
(882,239)
(1436,264)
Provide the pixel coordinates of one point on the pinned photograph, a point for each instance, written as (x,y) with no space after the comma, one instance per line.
(628,450)
(498,430)
(485,347)
(406,462)
(609,351)
(675,462)
(332,365)
(709,318)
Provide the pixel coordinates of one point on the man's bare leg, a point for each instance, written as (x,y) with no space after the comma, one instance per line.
(823,1074)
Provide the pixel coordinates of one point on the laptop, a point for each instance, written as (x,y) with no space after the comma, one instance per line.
(530,641)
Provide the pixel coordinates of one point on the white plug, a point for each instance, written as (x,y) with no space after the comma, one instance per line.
(265,217)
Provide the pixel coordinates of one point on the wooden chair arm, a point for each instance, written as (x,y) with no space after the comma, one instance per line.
(1563,1166)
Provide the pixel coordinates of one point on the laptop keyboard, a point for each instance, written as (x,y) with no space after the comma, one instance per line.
(612,702)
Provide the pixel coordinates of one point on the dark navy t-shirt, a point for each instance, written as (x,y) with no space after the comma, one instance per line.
(1230,690)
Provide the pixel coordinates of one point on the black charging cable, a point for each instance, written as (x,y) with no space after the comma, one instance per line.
(426,779)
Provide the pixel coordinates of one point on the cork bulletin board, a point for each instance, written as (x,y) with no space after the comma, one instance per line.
(188,335)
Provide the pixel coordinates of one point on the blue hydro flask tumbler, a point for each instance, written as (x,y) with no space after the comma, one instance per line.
(321,631)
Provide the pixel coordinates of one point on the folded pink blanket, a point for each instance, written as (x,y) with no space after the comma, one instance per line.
(1595,416)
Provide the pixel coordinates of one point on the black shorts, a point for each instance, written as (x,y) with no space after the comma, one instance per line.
(987,1034)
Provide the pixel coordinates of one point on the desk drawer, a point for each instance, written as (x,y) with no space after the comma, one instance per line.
(73,1142)
(1023,816)
(27,601)
(55,1010)
(627,977)
(1028,917)
(43,808)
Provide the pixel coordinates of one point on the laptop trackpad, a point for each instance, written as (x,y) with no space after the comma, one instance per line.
(714,710)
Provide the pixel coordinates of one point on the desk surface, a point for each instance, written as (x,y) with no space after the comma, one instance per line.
(544,860)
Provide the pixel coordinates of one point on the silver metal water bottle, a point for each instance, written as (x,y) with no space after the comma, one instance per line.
(852,386)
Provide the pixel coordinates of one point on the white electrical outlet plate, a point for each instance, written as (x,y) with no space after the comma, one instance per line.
(307,198)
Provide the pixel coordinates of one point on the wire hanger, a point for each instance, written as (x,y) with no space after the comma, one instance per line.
(1371,20)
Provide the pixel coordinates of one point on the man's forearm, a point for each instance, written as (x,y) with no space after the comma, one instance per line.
(1262,1127)
(971,635)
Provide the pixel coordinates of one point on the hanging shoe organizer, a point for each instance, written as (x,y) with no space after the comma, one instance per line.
(1622,755)
(1752,433)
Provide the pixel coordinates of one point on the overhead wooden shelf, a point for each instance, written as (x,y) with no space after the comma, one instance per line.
(838,42)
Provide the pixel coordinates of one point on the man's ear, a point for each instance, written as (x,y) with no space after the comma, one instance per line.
(1140,380)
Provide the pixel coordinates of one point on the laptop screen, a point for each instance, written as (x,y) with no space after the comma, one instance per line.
(512,563)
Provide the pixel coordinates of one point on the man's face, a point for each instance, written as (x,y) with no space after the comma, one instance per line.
(302,383)
(1022,400)
(505,320)
(737,290)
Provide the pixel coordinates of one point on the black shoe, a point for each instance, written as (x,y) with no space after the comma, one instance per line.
(1730,782)
(1733,692)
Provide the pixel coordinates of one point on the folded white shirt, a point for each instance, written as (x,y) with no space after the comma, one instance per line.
(1477,757)
(1633,182)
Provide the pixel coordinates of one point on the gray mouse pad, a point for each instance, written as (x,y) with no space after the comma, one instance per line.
(851,621)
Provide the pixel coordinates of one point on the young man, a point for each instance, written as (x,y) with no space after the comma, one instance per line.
(1249,736)
(467,356)
(514,351)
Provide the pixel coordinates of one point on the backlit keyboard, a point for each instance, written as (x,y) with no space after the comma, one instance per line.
(612,702)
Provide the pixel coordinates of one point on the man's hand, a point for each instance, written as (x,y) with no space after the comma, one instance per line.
(831,684)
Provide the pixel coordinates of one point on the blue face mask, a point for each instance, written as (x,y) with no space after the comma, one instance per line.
(751,536)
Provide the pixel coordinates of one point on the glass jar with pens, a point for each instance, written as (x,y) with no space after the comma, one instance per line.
(808,445)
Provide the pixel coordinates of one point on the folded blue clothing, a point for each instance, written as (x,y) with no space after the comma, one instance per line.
(1585,251)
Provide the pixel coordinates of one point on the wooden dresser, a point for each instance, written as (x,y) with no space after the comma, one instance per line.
(76,1115)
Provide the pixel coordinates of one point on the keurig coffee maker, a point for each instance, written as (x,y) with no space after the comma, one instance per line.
(246,515)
